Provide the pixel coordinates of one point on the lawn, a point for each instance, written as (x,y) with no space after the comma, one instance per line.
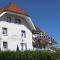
(30,55)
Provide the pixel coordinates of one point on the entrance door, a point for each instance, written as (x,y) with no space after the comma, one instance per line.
(23,46)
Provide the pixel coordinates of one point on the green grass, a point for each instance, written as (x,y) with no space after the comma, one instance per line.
(30,55)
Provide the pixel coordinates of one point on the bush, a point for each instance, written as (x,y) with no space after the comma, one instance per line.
(30,55)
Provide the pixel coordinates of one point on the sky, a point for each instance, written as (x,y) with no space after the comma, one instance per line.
(44,13)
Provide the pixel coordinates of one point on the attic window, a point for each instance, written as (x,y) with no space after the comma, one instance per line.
(18,21)
(8,19)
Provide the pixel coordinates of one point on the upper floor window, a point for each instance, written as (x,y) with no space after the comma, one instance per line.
(18,21)
(23,34)
(8,19)
(4,31)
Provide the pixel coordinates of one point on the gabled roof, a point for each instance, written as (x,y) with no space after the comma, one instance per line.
(12,7)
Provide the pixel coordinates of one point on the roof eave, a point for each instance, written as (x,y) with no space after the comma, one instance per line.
(28,19)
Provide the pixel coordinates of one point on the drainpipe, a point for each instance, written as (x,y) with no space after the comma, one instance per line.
(22,45)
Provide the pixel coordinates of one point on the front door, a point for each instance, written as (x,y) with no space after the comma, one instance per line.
(23,46)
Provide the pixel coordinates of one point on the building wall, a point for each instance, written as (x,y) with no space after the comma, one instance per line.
(14,34)
(13,17)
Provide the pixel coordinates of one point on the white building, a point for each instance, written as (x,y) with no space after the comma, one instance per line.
(15,29)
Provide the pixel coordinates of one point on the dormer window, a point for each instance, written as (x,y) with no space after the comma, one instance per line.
(18,21)
(8,19)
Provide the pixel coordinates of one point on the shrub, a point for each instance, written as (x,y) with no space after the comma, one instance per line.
(30,55)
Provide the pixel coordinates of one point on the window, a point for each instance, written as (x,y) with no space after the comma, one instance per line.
(5,45)
(8,19)
(44,36)
(18,21)
(4,32)
(41,34)
(23,34)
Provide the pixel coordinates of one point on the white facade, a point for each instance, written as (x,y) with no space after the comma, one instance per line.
(13,34)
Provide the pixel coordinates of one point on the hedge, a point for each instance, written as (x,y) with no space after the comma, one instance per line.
(30,55)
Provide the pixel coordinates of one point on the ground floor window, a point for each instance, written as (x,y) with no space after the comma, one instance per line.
(5,45)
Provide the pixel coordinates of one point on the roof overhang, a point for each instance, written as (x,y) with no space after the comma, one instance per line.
(27,18)
(2,14)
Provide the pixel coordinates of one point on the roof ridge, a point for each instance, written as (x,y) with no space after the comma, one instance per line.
(13,7)
(7,5)
(14,4)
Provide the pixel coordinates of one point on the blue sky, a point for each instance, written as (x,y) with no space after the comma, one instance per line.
(44,13)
